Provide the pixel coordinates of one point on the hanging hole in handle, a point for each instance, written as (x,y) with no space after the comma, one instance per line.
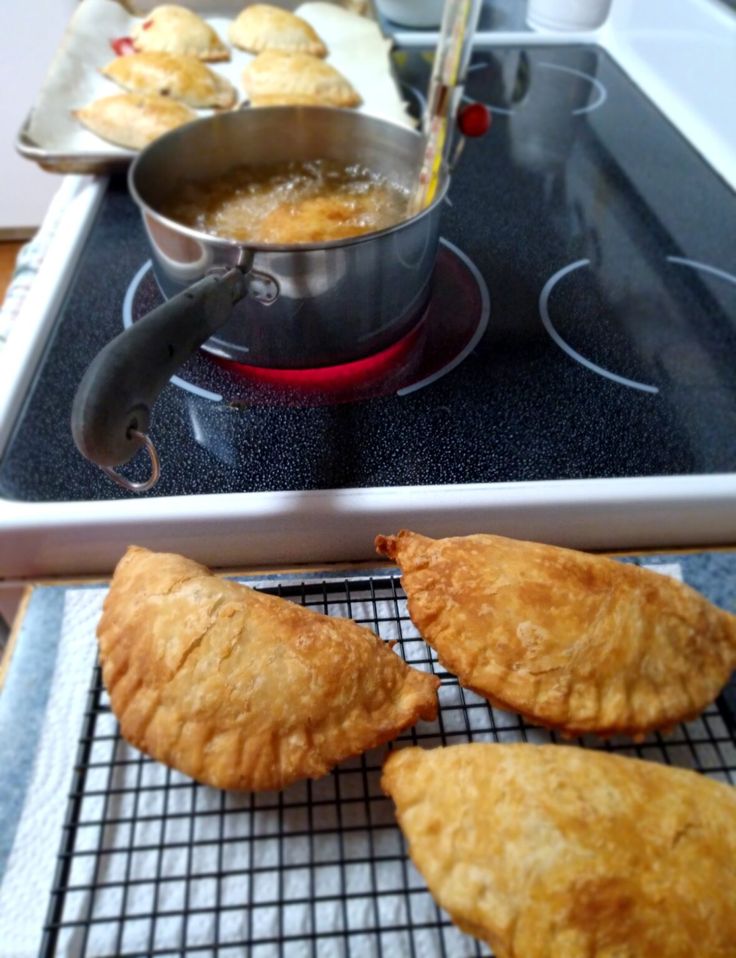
(262,287)
(155,467)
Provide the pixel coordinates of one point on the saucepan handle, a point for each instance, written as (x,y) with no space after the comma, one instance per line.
(112,407)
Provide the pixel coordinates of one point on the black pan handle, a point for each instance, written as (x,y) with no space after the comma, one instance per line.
(112,407)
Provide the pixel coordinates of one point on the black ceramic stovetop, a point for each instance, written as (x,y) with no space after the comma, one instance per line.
(608,249)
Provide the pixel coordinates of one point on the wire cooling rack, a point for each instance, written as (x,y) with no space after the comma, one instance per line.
(153,864)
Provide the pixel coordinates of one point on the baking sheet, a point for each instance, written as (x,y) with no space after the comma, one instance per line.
(52,136)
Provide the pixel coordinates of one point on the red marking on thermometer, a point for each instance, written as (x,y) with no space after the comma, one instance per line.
(474,119)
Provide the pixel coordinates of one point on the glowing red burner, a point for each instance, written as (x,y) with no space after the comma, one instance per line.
(360,373)
(453,324)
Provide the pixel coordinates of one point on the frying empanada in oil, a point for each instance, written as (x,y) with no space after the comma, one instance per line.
(183,78)
(550,851)
(572,641)
(276,78)
(170,28)
(243,690)
(262,27)
(317,219)
(133,120)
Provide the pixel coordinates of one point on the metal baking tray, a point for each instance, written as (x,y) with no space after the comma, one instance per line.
(153,864)
(65,156)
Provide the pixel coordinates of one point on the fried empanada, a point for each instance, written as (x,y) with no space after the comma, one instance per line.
(572,641)
(242,690)
(276,78)
(321,218)
(550,851)
(180,77)
(170,28)
(262,27)
(133,120)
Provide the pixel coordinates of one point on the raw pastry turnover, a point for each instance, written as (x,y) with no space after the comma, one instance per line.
(274,78)
(170,28)
(242,690)
(549,851)
(263,27)
(572,641)
(180,77)
(133,120)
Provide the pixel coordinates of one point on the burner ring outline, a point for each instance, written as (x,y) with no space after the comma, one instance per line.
(566,347)
(485,311)
(594,81)
(704,267)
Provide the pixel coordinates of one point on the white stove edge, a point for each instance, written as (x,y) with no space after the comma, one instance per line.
(275,528)
(339,525)
(79,197)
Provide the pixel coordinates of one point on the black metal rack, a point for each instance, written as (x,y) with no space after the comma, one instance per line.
(153,864)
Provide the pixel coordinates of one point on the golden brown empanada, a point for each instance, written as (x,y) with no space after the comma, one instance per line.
(317,219)
(244,690)
(275,78)
(170,28)
(572,641)
(550,851)
(263,27)
(180,77)
(133,120)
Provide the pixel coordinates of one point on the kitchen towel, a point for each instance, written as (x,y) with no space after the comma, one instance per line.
(41,711)
(29,262)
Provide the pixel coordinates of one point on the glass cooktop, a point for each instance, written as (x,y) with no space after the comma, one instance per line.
(583,321)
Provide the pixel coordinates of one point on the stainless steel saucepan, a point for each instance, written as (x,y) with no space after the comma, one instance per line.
(292,306)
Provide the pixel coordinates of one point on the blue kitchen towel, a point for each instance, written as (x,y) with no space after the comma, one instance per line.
(23,705)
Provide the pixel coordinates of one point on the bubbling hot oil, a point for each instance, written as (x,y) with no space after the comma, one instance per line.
(296,202)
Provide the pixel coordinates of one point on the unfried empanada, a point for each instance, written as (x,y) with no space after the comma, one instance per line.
(296,78)
(572,641)
(243,690)
(180,77)
(133,120)
(263,27)
(550,851)
(170,28)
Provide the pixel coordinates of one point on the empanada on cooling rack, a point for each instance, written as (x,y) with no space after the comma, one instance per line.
(572,641)
(243,690)
(550,851)
(170,28)
(174,75)
(263,27)
(133,120)
(274,78)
